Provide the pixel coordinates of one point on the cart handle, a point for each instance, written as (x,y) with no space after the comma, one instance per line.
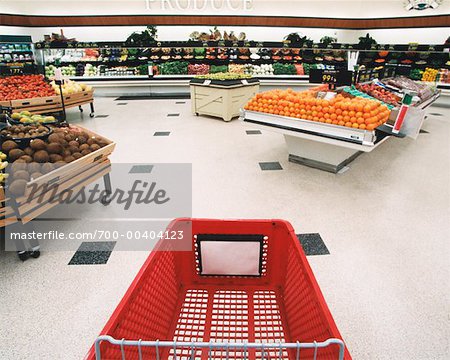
(218,345)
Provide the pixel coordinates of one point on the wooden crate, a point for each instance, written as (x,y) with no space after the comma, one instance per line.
(84,97)
(39,105)
(6,103)
(222,102)
(51,104)
(74,175)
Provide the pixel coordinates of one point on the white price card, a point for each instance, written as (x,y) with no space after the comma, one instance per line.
(58,74)
(245,82)
(206,82)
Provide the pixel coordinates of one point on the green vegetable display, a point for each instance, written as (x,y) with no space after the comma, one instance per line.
(218,69)
(306,68)
(284,69)
(174,68)
(199,52)
(416,74)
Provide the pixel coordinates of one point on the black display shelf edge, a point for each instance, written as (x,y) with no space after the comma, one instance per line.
(237,44)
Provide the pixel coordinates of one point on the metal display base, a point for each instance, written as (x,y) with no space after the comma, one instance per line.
(321,146)
(319,155)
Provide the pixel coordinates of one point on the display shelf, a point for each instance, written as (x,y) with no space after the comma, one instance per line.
(341,133)
(108,78)
(240,44)
(424,104)
(13,47)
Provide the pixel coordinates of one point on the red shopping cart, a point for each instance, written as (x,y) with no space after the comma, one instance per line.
(244,291)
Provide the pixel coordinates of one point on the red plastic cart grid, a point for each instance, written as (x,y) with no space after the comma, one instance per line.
(172,311)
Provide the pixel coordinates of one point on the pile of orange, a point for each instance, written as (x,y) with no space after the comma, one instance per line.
(358,113)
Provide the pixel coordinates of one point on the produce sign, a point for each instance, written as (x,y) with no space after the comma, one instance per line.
(358,113)
(24,87)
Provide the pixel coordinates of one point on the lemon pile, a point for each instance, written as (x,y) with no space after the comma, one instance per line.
(25,117)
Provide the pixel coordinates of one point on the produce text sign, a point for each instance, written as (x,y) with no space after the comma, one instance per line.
(233,5)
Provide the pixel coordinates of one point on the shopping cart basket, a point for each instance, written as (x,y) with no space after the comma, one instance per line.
(244,291)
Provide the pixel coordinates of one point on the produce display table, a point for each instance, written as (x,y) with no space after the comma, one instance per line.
(324,146)
(221,98)
(51,104)
(74,176)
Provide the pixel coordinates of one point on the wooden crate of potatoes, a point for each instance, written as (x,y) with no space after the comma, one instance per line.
(36,193)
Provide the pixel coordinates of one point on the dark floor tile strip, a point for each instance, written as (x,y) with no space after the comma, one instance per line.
(162,133)
(101,116)
(121,103)
(275,165)
(313,244)
(141,169)
(93,253)
(173,115)
(253,132)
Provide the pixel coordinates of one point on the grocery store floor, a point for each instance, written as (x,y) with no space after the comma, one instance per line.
(385,223)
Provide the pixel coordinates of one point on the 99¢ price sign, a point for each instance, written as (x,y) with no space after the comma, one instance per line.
(328,78)
(332,77)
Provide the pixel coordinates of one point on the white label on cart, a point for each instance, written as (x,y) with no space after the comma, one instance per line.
(206,82)
(245,82)
(230,257)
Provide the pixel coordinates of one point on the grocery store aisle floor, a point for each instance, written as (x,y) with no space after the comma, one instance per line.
(385,223)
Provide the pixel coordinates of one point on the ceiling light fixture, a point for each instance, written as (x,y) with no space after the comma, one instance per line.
(421,4)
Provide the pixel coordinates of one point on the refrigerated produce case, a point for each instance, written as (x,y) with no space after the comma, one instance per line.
(16,55)
(331,147)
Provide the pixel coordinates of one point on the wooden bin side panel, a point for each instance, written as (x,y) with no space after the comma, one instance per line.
(221,102)
(48,200)
(41,101)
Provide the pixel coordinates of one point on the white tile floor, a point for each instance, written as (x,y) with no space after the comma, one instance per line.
(385,223)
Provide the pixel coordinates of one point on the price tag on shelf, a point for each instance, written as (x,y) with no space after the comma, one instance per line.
(244,81)
(206,82)
(58,75)
(334,77)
